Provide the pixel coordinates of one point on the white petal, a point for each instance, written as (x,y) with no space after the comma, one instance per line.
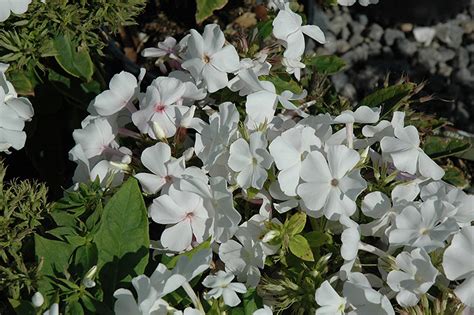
(155,157)
(177,237)
(214,78)
(341,160)
(230,297)
(314,32)
(376,204)
(294,46)
(240,156)
(465,291)
(226,60)
(428,167)
(164,210)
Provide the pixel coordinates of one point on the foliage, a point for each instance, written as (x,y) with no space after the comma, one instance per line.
(23,206)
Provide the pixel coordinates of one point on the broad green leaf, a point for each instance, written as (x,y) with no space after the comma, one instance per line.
(296,223)
(329,64)
(265,29)
(205,8)
(55,256)
(439,147)
(85,257)
(122,239)
(23,81)
(299,247)
(251,301)
(74,60)
(390,98)
(317,239)
(74,308)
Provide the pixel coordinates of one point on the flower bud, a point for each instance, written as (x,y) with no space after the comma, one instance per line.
(37,299)
(188,154)
(187,117)
(158,131)
(88,279)
(270,235)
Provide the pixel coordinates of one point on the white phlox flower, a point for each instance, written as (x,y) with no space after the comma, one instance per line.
(97,138)
(414,277)
(407,156)
(288,150)
(150,290)
(161,105)
(461,204)
(384,210)
(350,239)
(123,89)
(425,227)
(213,139)
(222,285)
(363,298)
(287,28)
(457,264)
(329,301)
(337,182)
(14,112)
(361,2)
(208,59)
(250,160)
(169,47)
(259,66)
(293,66)
(12,6)
(187,219)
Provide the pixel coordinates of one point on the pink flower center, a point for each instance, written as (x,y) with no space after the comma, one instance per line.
(169,178)
(189,216)
(159,108)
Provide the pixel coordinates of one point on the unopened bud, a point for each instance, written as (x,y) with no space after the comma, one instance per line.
(270,236)
(37,299)
(187,117)
(158,131)
(188,154)
(88,280)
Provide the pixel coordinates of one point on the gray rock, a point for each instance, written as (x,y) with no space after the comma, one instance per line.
(345,34)
(357,28)
(356,40)
(342,46)
(360,53)
(391,35)
(446,54)
(406,47)
(429,57)
(363,19)
(339,80)
(463,57)
(349,91)
(445,70)
(450,34)
(465,77)
(375,32)
(337,24)
(375,48)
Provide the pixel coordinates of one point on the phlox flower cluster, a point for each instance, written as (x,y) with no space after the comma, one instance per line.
(200,161)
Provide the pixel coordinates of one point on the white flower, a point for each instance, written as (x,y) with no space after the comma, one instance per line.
(15,6)
(457,264)
(361,2)
(161,105)
(96,138)
(250,160)
(287,28)
(213,139)
(360,294)
(336,182)
(258,66)
(163,281)
(362,115)
(186,216)
(14,112)
(123,88)
(288,150)
(265,310)
(406,154)
(293,66)
(166,169)
(222,285)
(167,47)
(53,310)
(414,277)
(331,303)
(426,228)
(378,206)
(208,59)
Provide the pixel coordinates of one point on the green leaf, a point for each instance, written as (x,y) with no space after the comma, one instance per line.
(265,29)
(251,301)
(122,239)
(329,64)
(22,307)
(390,98)
(296,223)
(456,177)
(439,147)
(205,8)
(171,263)
(283,85)
(55,256)
(299,247)
(317,239)
(74,308)
(74,60)
(85,257)
(23,81)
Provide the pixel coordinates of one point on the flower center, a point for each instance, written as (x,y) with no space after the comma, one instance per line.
(334,182)
(424,231)
(159,108)
(189,215)
(206,59)
(169,178)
